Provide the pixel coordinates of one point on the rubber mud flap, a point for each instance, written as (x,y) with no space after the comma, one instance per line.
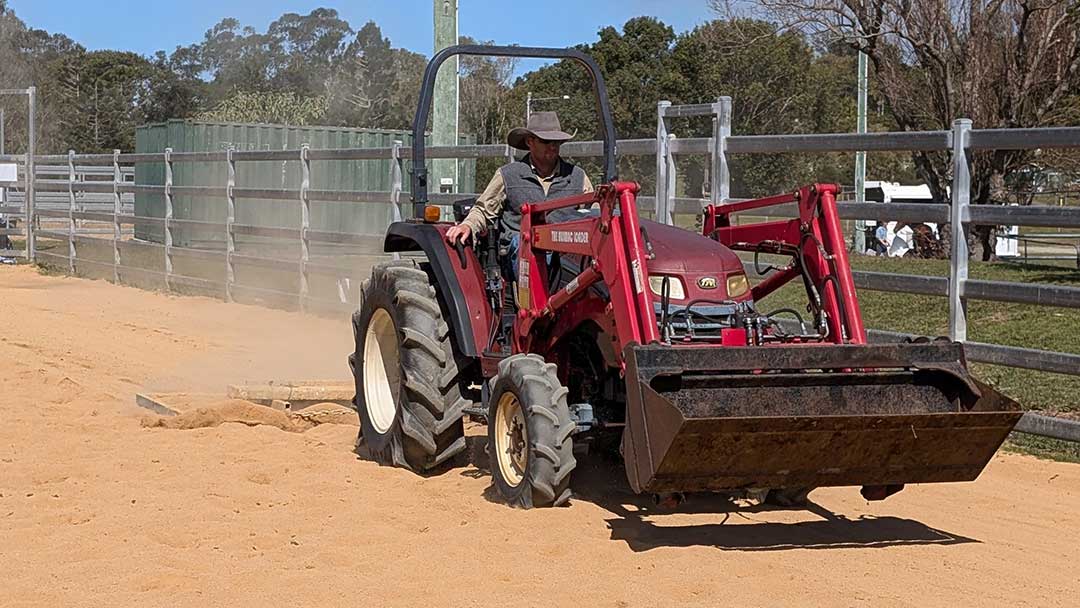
(722,418)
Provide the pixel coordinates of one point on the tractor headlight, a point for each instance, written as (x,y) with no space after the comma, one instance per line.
(675,286)
(737,285)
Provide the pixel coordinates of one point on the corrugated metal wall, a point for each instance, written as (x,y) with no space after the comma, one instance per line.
(190,136)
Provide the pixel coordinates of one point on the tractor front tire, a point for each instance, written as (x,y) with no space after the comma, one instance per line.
(408,379)
(529,434)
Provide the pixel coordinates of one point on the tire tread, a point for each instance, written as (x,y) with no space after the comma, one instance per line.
(431,430)
(551,462)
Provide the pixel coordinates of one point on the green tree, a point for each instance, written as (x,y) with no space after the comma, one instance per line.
(304,51)
(770,84)
(177,91)
(233,57)
(105,95)
(25,54)
(363,79)
(486,109)
(487,106)
(375,85)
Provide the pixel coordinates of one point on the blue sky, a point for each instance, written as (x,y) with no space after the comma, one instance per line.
(146,26)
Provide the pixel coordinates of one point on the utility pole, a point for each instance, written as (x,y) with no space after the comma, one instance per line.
(31,152)
(860,157)
(444,123)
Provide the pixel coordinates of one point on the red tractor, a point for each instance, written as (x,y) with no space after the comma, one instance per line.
(626,329)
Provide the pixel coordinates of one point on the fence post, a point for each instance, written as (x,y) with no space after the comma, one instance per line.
(958,214)
(31,151)
(305,224)
(720,188)
(168,218)
(230,218)
(660,210)
(395,180)
(395,185)
(71,211)
(117,177)
(669,188)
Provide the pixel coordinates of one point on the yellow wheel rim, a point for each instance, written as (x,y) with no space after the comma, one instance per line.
(511,439)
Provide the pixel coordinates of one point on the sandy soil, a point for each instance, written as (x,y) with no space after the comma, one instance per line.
(97,509)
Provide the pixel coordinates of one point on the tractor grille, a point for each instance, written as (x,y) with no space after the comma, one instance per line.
(696,321)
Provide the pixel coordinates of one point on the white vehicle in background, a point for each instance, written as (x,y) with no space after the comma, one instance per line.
(900,238)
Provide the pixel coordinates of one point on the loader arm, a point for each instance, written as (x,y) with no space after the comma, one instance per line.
(612,241)
(815,241)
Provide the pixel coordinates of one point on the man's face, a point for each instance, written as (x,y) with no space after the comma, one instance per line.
(543,153)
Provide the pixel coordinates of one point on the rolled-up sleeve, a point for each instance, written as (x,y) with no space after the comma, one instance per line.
(488,205)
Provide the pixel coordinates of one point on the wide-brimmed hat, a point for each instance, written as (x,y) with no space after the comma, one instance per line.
(544,125)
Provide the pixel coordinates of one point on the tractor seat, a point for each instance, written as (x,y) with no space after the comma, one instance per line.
(462,208)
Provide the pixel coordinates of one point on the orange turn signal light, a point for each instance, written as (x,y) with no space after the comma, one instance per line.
(432,213)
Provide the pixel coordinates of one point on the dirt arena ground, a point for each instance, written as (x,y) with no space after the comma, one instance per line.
(98,509)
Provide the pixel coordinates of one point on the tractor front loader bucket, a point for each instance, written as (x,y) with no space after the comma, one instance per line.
(879,416)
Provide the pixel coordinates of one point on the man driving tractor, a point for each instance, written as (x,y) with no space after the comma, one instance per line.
(539,176)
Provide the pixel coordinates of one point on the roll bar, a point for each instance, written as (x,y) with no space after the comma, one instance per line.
(427,88)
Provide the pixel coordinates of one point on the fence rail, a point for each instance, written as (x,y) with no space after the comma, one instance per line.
(61,184)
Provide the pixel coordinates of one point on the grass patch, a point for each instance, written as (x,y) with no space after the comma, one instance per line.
(1043,447)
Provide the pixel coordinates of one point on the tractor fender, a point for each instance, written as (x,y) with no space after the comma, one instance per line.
(462,289)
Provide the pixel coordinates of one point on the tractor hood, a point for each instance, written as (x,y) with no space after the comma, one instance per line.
(681,252)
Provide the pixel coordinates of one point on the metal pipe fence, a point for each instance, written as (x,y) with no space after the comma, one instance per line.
(1068,250)
(317,283)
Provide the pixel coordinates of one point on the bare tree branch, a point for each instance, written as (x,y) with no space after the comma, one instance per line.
(1001,63)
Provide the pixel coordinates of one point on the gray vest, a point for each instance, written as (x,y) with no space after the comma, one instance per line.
(523,186)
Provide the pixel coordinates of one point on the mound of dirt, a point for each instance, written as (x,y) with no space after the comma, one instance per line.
(230,410)
(328,413)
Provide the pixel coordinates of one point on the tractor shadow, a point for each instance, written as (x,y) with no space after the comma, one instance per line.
(475,456)
(641,524)
(601,480)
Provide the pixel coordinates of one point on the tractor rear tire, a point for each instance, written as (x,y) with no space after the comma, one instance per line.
(529,434)
(408,379)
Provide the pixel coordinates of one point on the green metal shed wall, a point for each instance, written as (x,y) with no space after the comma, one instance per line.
(190,136)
